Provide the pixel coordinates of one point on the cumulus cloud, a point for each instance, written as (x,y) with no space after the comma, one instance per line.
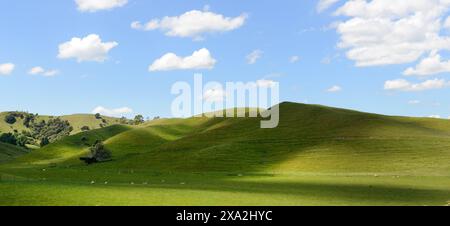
(434,116)
(447,23)
(7,68)
(89,48)
(325,4)
(384,32)
(294,59)
(254,56)
(112,112)
(41,71)
(192,24)
(429,66)
(97,5)
(334,89)
(200,59)
(403,85)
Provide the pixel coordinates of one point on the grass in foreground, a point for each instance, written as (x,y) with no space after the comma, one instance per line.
(247,190)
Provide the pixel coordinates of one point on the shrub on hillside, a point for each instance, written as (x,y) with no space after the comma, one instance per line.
(85,128)
(28,120)
(98,154)
(10,119)
(8,138)
(98,116)
(44,142)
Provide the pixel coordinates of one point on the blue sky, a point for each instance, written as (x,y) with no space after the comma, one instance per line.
(322,34)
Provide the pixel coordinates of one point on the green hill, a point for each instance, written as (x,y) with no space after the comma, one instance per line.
(317,155)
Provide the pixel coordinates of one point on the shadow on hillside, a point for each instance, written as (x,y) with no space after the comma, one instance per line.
(335,193)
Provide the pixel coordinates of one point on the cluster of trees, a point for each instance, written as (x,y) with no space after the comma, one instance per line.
(28,119)
(51,131)
(138,119)
(14,139)
(44,132)
(40,133)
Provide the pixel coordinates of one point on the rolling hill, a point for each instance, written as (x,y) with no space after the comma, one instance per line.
(317,155)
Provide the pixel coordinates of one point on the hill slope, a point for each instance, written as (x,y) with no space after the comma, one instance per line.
(9,152)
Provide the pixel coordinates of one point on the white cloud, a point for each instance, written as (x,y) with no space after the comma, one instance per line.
(414,102)
(112,112)
(7,69)
(383,32)
(97,5)
(334,89)
(89,48)
(192,24)
(325,4)
(36,70)
(434,116)
(200,59)
(447,23)
(403,85)
(294,59)
(254,56)
(429,66)
(41,71)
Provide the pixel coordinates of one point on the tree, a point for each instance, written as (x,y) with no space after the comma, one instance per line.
(28,120)
(44,142)
(98,116)
(123,120)
(8,138)
(85,128)
(98,154)
(22,140)
(138,119)
(10,119)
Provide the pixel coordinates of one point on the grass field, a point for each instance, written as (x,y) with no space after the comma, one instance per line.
(317,156)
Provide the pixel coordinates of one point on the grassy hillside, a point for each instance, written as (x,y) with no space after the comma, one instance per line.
(9,152)
(317,156)
(76,121)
